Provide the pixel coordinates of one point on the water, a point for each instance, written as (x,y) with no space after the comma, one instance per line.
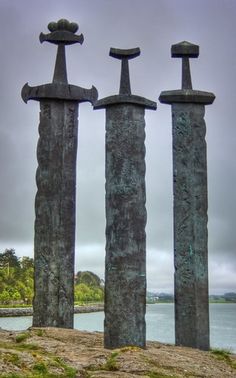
(159,321)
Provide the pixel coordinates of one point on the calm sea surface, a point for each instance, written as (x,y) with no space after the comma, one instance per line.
(159,321)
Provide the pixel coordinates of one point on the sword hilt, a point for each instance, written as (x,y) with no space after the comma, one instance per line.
(185,50)
(124,55)
(62,33)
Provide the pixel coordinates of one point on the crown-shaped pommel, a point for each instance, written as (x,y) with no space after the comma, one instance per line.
(185,50)
(62,32)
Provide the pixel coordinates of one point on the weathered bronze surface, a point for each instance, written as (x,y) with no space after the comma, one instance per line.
(125,268)
(56,182)
(190,206)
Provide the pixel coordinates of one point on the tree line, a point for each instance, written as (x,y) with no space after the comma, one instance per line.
(17,282)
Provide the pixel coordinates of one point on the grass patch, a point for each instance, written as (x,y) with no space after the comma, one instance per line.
(11,358)
(221,353)
(111,364)
(40,332)
(28,347)
(130,348)
(69,371)
(22,337)
(15,306)
(40,367)
(11,375)
(20,347)
(224,355)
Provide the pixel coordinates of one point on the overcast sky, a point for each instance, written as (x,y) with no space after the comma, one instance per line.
(152,25)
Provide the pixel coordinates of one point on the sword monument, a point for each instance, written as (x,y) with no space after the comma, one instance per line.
(54,240)
(125,267)
(190,205)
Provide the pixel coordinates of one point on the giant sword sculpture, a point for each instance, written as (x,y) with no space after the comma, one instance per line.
(125,269)
(54,240)
(190,205)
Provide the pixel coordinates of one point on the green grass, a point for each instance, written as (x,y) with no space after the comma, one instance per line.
(16,306)
(37,374)
(224,355)
(41,368)
(111,363)
(130,349)
(11,358)
(11,375)
(8,345)
(22,337)
(40,332)
(28,347)
(70,371)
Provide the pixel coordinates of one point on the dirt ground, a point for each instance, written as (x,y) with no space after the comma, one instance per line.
(55,352)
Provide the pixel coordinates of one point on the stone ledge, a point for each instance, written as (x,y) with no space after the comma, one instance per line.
(28,311)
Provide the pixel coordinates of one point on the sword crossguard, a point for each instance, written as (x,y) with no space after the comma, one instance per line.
(60,92)
(185,50)
(124,55)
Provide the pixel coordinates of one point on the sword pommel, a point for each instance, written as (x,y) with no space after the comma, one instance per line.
(124,53)
(184,49)
(62,32)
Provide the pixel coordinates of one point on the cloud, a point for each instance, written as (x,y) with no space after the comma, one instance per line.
(222,275)
(160,271)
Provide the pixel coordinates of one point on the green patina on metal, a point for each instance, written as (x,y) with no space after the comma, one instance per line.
(125,267)
(190,205)
(54,239)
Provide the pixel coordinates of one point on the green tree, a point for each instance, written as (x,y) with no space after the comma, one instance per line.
(85,293)
(16,278)
(9,257)
(88,278)
(5,297)
(27,263)
(17,281)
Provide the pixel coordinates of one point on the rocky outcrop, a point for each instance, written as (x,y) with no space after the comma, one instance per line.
(71,353)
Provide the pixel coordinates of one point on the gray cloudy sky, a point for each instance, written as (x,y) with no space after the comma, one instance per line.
(153,25)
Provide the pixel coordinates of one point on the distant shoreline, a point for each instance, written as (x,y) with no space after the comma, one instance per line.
(28,311)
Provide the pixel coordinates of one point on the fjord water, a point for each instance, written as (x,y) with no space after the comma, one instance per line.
(159,323)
